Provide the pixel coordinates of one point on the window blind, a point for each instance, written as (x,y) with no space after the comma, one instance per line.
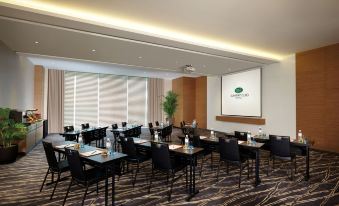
(112,99)
(86,99)
(137,87)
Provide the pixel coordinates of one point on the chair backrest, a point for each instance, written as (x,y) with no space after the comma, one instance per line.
(161,156)
(68,129)
(229,149)
(157,123)
(196,141)
(85,126)
(50,155)
(181,124)
(184,123)
(128,147)
(76,166)
(240,135)
(102,132)
(123,124)
(87,137)
(151,130)
(114,126)
(280,145)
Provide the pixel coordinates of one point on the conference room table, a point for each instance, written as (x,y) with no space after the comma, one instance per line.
(104,161)
(178,150)
(253,146)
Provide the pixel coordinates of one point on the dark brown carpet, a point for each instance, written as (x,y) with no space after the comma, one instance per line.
(20,183)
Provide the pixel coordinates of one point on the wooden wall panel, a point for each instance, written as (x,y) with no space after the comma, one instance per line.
(39,89)
(177,87)
(192,100)
(317,84)
(188,99)
(201,101)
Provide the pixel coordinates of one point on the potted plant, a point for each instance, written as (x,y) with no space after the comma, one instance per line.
(9,132)
(170,105)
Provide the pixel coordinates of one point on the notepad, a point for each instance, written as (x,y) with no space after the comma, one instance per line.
(203,137)
(64,145)
(140,141)
(91,153)
(174,146)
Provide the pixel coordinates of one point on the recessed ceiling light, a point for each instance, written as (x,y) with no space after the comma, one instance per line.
(36,42)
(93,50)
(140,57)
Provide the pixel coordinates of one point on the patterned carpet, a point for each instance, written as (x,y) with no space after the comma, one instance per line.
(20,183)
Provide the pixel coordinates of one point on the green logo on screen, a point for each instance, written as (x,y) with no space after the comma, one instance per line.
(238,90)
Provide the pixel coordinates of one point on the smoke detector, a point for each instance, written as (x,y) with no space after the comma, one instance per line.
(189,68)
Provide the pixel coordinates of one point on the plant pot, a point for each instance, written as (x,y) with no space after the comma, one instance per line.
(8,154)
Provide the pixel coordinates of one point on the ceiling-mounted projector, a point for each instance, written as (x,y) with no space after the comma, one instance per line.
(189,68)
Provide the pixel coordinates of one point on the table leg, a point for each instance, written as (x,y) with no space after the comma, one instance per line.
(106,185)
(307,177)
(257,166)
(192,190)
(113,185)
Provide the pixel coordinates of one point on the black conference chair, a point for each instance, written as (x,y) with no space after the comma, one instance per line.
(53,166)
(84,126)
(88,137)
(207,151)
(240,135)
(163,163)
(123,124)
(230,154)
(68,128)
(134,156)
(80,175)
(157,123)
(282,150)
(151,130)
(69,137)
(244,151)
(116,135)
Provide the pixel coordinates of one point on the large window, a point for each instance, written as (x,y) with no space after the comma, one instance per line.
(102,99)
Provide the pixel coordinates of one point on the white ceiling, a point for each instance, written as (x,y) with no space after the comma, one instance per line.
(215,37)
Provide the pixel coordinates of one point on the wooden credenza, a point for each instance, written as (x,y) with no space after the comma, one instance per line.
(33,137)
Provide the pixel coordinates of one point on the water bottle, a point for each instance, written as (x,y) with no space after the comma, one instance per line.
(109,146)
(81,142)
(300,135)
(248,137)
(212,133)
(260,132)
(186,141)
(156,136)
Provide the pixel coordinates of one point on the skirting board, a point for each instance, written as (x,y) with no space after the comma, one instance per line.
(244,120)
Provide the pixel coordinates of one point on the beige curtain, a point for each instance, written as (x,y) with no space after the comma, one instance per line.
(155,96)
(55,101)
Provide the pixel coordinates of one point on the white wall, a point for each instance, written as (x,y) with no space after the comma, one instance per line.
(278,101)
(16,80)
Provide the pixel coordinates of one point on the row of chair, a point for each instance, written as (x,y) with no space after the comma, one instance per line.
(97,135)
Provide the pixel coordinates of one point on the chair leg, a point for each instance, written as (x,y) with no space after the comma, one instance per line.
(211,160)
(97,187)
(291,168)
(136,173)
(55,185)
(248,169)
(69,187)
(295,165)
(170,192)
(202,163)
(240,175)
(83,199)
(268,165)
(227,168)
(218,170)
(150,181)
(186,177)
(43,183)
